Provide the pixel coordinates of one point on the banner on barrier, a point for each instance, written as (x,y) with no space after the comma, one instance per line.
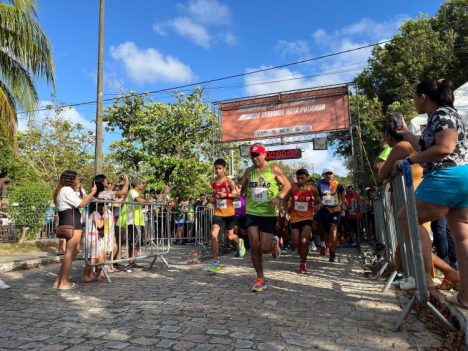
(284,114)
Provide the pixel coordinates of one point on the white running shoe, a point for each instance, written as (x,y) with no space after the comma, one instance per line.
(313,247)
(409,284)
(3,285)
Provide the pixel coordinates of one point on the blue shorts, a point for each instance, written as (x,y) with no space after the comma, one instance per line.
(446,187)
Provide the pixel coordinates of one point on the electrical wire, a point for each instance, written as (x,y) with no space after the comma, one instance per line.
(220,78)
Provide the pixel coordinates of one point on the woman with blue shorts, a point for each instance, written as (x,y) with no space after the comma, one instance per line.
(443,155)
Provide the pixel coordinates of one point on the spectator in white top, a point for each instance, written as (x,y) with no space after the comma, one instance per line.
(67,203)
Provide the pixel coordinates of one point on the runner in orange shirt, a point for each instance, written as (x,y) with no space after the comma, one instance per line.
(301,211)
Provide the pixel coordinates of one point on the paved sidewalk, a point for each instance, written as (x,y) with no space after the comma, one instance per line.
(333,308)
(26,260)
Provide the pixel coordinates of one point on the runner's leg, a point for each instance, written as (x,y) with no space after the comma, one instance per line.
(214,241)
(255,253)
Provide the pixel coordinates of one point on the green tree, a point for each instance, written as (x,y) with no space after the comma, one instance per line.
(453,16)
(55,144)
(169,144)
(25,55)
(419,51)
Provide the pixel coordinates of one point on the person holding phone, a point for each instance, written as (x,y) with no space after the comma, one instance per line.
(443,154)
(68,203)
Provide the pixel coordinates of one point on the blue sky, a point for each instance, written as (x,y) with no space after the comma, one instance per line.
(156,44)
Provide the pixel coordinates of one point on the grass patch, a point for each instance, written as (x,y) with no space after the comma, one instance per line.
(36,246)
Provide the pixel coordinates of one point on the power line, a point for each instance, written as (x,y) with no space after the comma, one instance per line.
(222,78)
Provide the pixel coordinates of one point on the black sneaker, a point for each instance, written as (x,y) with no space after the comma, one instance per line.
(332,257)
(237,254)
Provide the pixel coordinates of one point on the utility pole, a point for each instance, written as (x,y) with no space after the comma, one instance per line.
(98,147)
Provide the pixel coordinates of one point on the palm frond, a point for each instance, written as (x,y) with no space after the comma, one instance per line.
(7,115)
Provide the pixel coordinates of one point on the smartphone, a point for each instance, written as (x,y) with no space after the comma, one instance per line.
(397,120)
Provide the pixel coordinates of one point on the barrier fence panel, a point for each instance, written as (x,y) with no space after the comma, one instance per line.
(387,210)
(140,231)
(122,232)
(380,230)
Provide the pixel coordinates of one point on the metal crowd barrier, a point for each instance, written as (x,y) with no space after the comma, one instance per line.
(386,208)
(145,231)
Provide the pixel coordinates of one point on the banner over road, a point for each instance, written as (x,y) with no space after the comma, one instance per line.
(284,114)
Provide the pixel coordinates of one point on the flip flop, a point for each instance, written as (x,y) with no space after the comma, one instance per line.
(455,300)
(73,286)
(447,284)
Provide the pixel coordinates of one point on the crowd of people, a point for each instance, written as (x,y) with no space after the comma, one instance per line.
(265,213)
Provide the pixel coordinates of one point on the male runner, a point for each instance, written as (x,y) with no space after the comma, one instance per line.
(224,190)
(265,187)
(332,194)
(301,211)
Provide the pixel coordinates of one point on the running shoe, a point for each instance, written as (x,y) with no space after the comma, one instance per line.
(276,251)
(241,248)
(323,249)
(302,268)
(259,285)
(215,267)
(332,257)
(312,247)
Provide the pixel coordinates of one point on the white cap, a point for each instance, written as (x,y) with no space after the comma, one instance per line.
(327,170)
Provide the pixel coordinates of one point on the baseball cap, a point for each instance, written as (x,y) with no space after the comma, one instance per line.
(327,170)
(257,149)
(137,181)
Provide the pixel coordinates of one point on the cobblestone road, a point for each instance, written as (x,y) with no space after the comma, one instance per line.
(332,308)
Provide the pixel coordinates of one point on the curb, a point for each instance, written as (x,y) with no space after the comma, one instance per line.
(28,264)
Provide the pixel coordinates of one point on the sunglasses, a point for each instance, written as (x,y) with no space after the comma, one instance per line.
(253,154)
(328,173)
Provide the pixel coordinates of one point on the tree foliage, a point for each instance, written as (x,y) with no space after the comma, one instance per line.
(25,54)
(27,205)
(423,48)
(54,144)
(168,144)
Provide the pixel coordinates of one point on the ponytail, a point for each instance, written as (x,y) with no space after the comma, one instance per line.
(440,91)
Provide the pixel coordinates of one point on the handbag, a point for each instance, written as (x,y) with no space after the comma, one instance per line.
(65,231)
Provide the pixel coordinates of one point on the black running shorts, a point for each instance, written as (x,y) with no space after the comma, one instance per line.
(227,222)
(264,224)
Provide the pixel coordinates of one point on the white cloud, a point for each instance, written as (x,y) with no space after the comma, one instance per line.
(202,22)
(208,11)
(299,48)
(69,114)
(273,81)
(149,65)
(189,29)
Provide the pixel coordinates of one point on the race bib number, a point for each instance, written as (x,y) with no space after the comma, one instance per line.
(260,194)
(329,200)
(221,204)
(237,204)
(301,206)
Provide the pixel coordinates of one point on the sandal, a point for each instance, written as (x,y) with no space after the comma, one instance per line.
(455,300)
(447,284)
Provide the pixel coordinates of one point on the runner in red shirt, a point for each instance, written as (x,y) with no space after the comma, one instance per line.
(301,211)
(353,213)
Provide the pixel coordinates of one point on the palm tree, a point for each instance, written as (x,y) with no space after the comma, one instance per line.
(25,55)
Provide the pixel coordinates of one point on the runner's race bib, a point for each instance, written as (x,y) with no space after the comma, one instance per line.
(221,204)
(301,206)
(329,200)
(237,204)
(260,194)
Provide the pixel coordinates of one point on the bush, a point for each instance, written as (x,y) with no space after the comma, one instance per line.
(27,204)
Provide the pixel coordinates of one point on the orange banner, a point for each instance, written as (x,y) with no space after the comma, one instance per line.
(283,114)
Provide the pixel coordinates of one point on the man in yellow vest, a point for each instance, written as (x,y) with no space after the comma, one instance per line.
(132,218)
